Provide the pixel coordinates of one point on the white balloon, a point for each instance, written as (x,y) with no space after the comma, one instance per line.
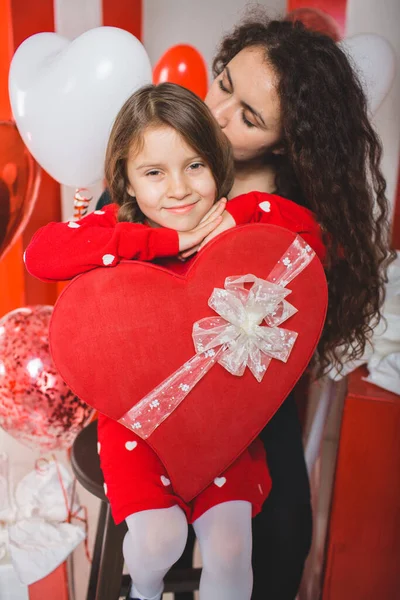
(374,60)
(65,96)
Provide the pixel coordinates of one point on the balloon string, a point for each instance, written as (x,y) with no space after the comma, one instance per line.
(82,200)
(69,504)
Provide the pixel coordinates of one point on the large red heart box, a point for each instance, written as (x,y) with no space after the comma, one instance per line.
(117,333)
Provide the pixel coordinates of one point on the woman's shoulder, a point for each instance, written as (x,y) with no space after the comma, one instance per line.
(272,209)
(281,210)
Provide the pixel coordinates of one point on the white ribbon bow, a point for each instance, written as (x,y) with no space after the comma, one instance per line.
(235,339)
(34,531)
(240,332)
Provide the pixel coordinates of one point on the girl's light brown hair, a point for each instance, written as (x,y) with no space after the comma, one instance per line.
(170,105)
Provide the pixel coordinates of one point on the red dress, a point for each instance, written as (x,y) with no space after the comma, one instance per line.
(135,478)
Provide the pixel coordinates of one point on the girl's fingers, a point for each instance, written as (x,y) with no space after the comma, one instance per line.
(189,252)
(203,230)
(227,222)
(216,210)
(189,239)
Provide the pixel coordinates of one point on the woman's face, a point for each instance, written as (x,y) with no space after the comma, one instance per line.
(245,102)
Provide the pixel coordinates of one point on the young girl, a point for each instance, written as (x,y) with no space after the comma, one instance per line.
(167,164)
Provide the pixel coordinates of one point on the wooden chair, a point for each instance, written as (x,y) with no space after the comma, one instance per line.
(106,580)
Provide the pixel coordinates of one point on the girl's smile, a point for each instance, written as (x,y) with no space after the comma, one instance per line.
(181,210)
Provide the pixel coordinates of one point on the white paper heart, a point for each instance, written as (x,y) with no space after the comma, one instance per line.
(130,446)
(65,96)
(220,481)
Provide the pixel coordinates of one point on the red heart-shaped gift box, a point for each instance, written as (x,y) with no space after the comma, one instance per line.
(117,333)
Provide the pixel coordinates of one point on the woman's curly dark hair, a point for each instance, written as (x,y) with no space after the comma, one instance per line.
(331,164)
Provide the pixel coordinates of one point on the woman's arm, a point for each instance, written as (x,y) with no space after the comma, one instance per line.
(260,207)
(61,251)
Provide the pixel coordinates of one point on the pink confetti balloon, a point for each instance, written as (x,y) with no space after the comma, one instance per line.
(36,406)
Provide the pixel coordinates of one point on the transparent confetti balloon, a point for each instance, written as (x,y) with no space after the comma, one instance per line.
(36,406)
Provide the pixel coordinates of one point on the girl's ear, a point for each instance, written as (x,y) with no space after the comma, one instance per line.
(130,190)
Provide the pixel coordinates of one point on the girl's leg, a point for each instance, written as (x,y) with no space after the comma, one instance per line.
(224,534)
(154,542)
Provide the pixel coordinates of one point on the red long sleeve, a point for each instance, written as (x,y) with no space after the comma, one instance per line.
(259,207)
(61,251)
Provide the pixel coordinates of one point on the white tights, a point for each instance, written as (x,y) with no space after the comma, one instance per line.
(156,539)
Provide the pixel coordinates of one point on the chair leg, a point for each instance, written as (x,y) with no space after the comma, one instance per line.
(94,571)
(112,560)
(186,562)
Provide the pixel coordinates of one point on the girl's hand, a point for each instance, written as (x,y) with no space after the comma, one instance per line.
(225,223)
(192,239)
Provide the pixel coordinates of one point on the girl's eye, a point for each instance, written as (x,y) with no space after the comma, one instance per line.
(196,166)
(246,121)
(222,87)
(153,173)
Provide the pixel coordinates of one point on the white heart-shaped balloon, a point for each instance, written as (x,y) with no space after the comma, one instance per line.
(65,96)
(375,62)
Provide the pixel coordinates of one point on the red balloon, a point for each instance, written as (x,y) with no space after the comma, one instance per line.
(19,182)
(36,406)
(316,20)
(185,66)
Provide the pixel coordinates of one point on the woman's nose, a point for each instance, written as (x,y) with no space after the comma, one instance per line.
(223,112)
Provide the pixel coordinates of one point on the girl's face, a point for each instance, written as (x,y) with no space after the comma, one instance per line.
(173,186)
(245,102)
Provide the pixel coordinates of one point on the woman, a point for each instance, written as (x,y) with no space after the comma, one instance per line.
(296,116)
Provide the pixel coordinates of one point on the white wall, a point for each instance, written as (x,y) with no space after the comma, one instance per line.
(383,18)
(198,23)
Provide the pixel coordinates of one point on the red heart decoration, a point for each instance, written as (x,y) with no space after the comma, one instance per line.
(19,182)
(117,333)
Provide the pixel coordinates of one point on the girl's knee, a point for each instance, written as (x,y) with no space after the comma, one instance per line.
(227,551)
(158,543)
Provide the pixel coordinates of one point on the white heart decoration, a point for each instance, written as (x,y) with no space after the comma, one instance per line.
(375,62)
(265,206)
(130,445)
(65,96)
(220,481)
(108,259)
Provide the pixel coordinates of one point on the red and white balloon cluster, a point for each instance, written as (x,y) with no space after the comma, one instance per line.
(65,95)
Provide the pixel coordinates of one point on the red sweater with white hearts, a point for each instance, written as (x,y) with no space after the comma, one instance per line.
(60,251)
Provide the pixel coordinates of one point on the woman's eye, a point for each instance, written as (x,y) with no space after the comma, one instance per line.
(222,87)
(246,121)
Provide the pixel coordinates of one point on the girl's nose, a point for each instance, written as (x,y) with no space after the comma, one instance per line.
(178,187)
